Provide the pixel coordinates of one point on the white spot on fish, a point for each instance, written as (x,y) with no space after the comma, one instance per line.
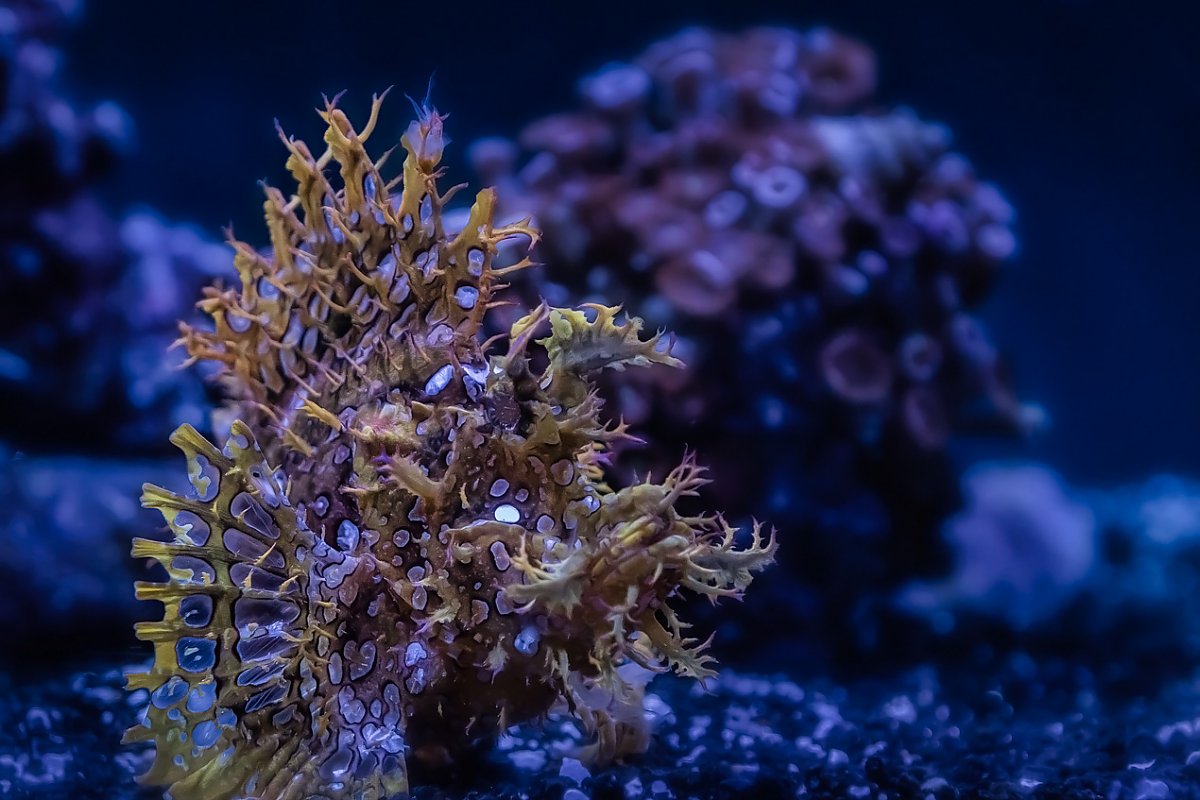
(467,296)
(562,472)
(502,604)
(348,535)
(439,380)
(527,640)
(237,322)
(500,556)
(335,668)
(414,653)
(353,710)
(507,513)
(205,734)
(309,343)
(475,261)
(362,662)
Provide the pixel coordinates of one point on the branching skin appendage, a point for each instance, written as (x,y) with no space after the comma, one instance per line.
(406,544)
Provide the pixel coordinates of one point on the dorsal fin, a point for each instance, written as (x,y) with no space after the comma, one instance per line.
(363,279)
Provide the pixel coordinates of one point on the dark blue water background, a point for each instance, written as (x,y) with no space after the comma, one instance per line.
(1086,113)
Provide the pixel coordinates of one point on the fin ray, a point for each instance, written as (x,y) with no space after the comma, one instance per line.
(227,652)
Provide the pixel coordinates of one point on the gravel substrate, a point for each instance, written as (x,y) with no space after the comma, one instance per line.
(1013,729)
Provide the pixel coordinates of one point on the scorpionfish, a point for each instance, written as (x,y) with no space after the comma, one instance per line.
(406,544)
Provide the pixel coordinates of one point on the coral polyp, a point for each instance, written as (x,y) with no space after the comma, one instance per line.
(406,543)
(823,259)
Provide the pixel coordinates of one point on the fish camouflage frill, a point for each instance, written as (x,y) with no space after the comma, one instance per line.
(406,544)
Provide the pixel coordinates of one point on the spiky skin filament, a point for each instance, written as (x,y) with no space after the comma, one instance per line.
(406,544)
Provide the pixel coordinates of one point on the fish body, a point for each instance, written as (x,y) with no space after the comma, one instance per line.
(406,543)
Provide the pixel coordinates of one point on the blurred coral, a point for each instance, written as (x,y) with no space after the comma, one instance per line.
(1143,592)
(1104,578)
(1023,548)
(89,303)
(88,308)
(819,258)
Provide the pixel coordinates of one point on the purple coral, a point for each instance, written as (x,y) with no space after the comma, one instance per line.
(819,256)
(716,178)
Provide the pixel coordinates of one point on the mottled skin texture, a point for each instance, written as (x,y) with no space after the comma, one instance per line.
(406,544)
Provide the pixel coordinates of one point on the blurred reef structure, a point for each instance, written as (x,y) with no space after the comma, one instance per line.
(1109,578)
(820,258)
(89,307)
(90,302)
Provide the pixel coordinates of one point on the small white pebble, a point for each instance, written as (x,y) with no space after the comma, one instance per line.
(934,784)
(900,709)
(530,760)
(1151,790)
(873,748)
(573,770)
